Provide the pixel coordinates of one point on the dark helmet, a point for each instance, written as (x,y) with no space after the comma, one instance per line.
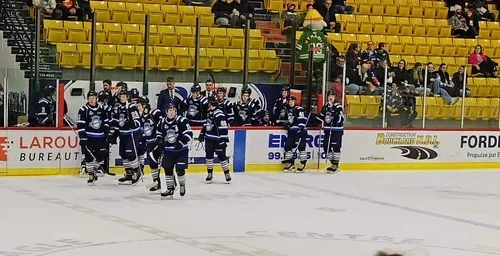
(122,85)
(91,94)
(293,98)
(330,93)
(123,92)
(246,91)
(212,101)
(134,93)
(195,88)
(49,89)
(103,96)
(285,88)
(143,100)
(171,106)
(221,89)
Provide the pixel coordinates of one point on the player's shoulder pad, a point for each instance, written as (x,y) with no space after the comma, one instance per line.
(43,100)
(181,119)
(300,108)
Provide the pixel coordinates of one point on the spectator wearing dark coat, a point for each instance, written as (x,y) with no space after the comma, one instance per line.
(353,57)
(327,11)
(381,53)
(408,113)
(246,11)
(337,68)
(224,13)
(401,74)
(458,81)
(341,8)
(171,95)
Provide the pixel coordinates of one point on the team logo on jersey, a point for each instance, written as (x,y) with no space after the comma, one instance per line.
(328,117)
(243,114)
(193,110)
(121,120)
(171,136)
(148,129)
(95,122)
(283,112)
(291,117)
(209,125)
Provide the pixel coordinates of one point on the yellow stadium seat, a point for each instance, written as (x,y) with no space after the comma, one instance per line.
(406,29)
(171,14)
(348,17)
(364,9)
(173,2)
(422,59)
(404,11)
(495,87)
(108,57)
(183,60)
(473,109)
(489,108)
(419,30)
(436,49)
(420,107)
(254,61)
(119,12)
(484,31)
(54,31)
(387,2)
(271,63)
(204,60)
(435,59)
(371,106)
(354,107)
(379,28)
(205,38)
(349,38)
(378,39)
(430,11)
(114,33)
(449,49)
(363,39)
(393,29)
(473,42)
(100,32)
(155,13)
(433,30)
(396,45)
(101,11)
(484,89)
(84,50)
(351,27)
(449,111)
(168,35)
(274,5)
(433,107)
(133,34)
(205,14)
(442,12)
(237,37)
(166,59)
(188,16)
(67,55)
(136,12)
(445,31)
(256,39)
(154,36)
(186,36)
(417,11)
(336,39)
(75,31)
(218,61)
(152,57)
(128,58)
(235,59)
(391,10)
(428,22)
(220,37)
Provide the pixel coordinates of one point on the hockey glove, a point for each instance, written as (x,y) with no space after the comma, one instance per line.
(178,146)
(201,138)
(83,142)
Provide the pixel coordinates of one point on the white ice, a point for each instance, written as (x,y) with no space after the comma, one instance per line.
(350,213)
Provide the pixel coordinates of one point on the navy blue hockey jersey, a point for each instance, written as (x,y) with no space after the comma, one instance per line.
(216,126)
(332,116)
(196,111)
(148,124)
(126,118)
(279,110)
(46,112)
(296,118)
(246,113)
(93,122)
(227,109)
(175,133)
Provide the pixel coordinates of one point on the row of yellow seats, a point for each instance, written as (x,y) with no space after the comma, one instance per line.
(485,90)
(453,62)
(280,5)
(399,2)
(402,10)
(475,108)
(159,14)
(390,25)
(115,33)
(165,58)
(416,45)
(489,29)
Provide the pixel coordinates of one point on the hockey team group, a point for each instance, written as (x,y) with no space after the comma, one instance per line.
(163,134)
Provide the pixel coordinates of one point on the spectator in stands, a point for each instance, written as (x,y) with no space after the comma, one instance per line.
(409,111)
(360,80)
(45,6)
(326,10)
(246,11)
(369,54)
(380,73)
(353,57)
(86,10)
(401,74)
(460,26)
(341,8)
(482,63)
(482,9)
(394,105)
(416,80)
(289,15)
(434,80)
(381,53)
(451,6)
(337,68)
(458,81)
(337,87)
(224,13)
(71,10)
(473,18)
(447,82)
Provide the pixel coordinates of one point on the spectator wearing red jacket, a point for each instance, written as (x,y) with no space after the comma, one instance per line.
(482,63)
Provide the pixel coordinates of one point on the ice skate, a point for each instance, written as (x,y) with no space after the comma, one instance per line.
(100,172)
(332,169)
(289,168)
(228,177)
(92,179)
(209,178)
(83,170)
(169,194)
(125,180)
(302,167)
(155,188)
(136,177)
(182,190)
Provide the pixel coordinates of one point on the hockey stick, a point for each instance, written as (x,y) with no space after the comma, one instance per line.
(300,139)
(328,147)
(98,171)
(135,148)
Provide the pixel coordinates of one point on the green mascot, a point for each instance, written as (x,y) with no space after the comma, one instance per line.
(314,37)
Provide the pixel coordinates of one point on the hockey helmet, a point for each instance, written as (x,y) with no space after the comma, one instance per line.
(91,94)
(195,88)
(212,101)
(221,89)
(134,93)
(123,92)
(143,100)
(103,96)
(330,93)
(122,85)
(49,89)
(246,91)
(285,88)
(293,98)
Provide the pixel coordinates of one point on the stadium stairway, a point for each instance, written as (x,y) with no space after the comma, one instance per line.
(19,30)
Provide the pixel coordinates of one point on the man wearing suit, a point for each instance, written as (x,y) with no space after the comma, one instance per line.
(210,89)
(169,96)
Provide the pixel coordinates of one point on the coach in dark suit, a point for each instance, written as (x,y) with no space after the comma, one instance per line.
(171,95)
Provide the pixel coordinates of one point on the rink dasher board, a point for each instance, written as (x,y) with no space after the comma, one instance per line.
(38,151)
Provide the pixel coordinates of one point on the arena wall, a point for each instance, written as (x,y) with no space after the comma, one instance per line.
(35,151)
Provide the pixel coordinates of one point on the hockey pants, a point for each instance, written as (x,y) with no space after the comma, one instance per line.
(296,139)
(332,143)
(179,161)
(216,147)
(128,152)
(94,152)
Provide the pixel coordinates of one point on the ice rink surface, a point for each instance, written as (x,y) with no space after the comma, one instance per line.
(350,213)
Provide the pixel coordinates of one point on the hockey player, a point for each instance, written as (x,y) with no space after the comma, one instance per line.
(46,108)
(225,105)
(93,128)
(149,119)
(104,98)
(296,136)
(141,147)
(265,120)
(126,121)
(174,134)
(280,106)
(246,110)
(197,107)
(332,116)
(215,132)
